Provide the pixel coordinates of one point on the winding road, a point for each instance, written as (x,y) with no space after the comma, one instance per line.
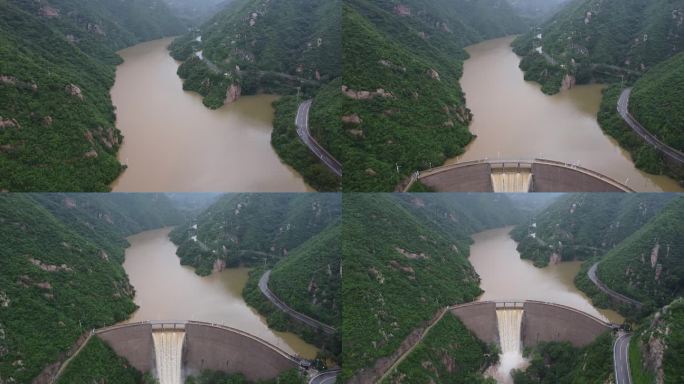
(302,122)
(600,285)
(327,377)
(263,286)
(623,110)
(621,359)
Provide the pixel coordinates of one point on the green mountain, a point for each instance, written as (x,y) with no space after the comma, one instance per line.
(251,229)
(62,273)
(402,255)
(107,219)
(560,362)
(657,101)
(449,353)
(580,226)
(656,353)
(536,11)
(261,46)
(290,48)
(649,265)
(402,102)
(57,63)
(602,40)
(98,363)
(308,280)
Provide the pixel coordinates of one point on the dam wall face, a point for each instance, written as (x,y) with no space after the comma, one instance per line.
(220,349)
(541,322)
(549,322)
(480,318)
(471,178)
(549,178)
(134,342)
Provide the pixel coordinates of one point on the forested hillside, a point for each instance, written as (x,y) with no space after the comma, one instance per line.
(402,256)
(649,265)
(309,280)
(657,349)
(403,108)
(57,61)
(657,101)
(448,345)
(602,40)
(61,271)
(290,48)
(250,229)
(580,226)
(560,362)
(261,46)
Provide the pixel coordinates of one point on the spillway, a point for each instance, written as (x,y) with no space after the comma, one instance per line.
(168,347)
(517,181)
(510,324)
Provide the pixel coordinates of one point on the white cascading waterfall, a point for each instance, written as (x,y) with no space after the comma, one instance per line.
(511,180)
(510,324)
(168,347)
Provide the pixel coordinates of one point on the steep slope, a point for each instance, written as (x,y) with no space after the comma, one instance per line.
(449,353)
(309,280)
(657,349)
(560,362)
(398,272)
(250,229)
(260,45)
(403,107)
(580,226)
(649,265)
(97,362)
(54,285)
(290,48)
(657,101)
(537,11)
(605,40)
(57,62)
(107,219)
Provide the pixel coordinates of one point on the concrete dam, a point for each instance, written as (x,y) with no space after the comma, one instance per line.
(538,322)
(174,349)
(537,175)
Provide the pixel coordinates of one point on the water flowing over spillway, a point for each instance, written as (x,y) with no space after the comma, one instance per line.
(511,181)
(168,348)
(510,323)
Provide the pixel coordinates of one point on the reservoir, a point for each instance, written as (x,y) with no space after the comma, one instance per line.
(513,120)
(172,142)
(505,276)
(165,290)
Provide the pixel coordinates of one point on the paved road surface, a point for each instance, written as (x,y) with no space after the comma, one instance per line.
(621,359)
(599,284)
(327,377)
(302,121)
(263,286)
(623,110)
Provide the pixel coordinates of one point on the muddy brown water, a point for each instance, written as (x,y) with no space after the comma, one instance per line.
(513,119)
(172,142)
(165,290)
(505,276)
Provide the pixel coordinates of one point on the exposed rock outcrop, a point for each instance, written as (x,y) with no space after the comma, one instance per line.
(234,93)
(402,10)
(8,123)
(365,95)
(351,119)
(74,90)
(90,154)
(48,11)
(569,82)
